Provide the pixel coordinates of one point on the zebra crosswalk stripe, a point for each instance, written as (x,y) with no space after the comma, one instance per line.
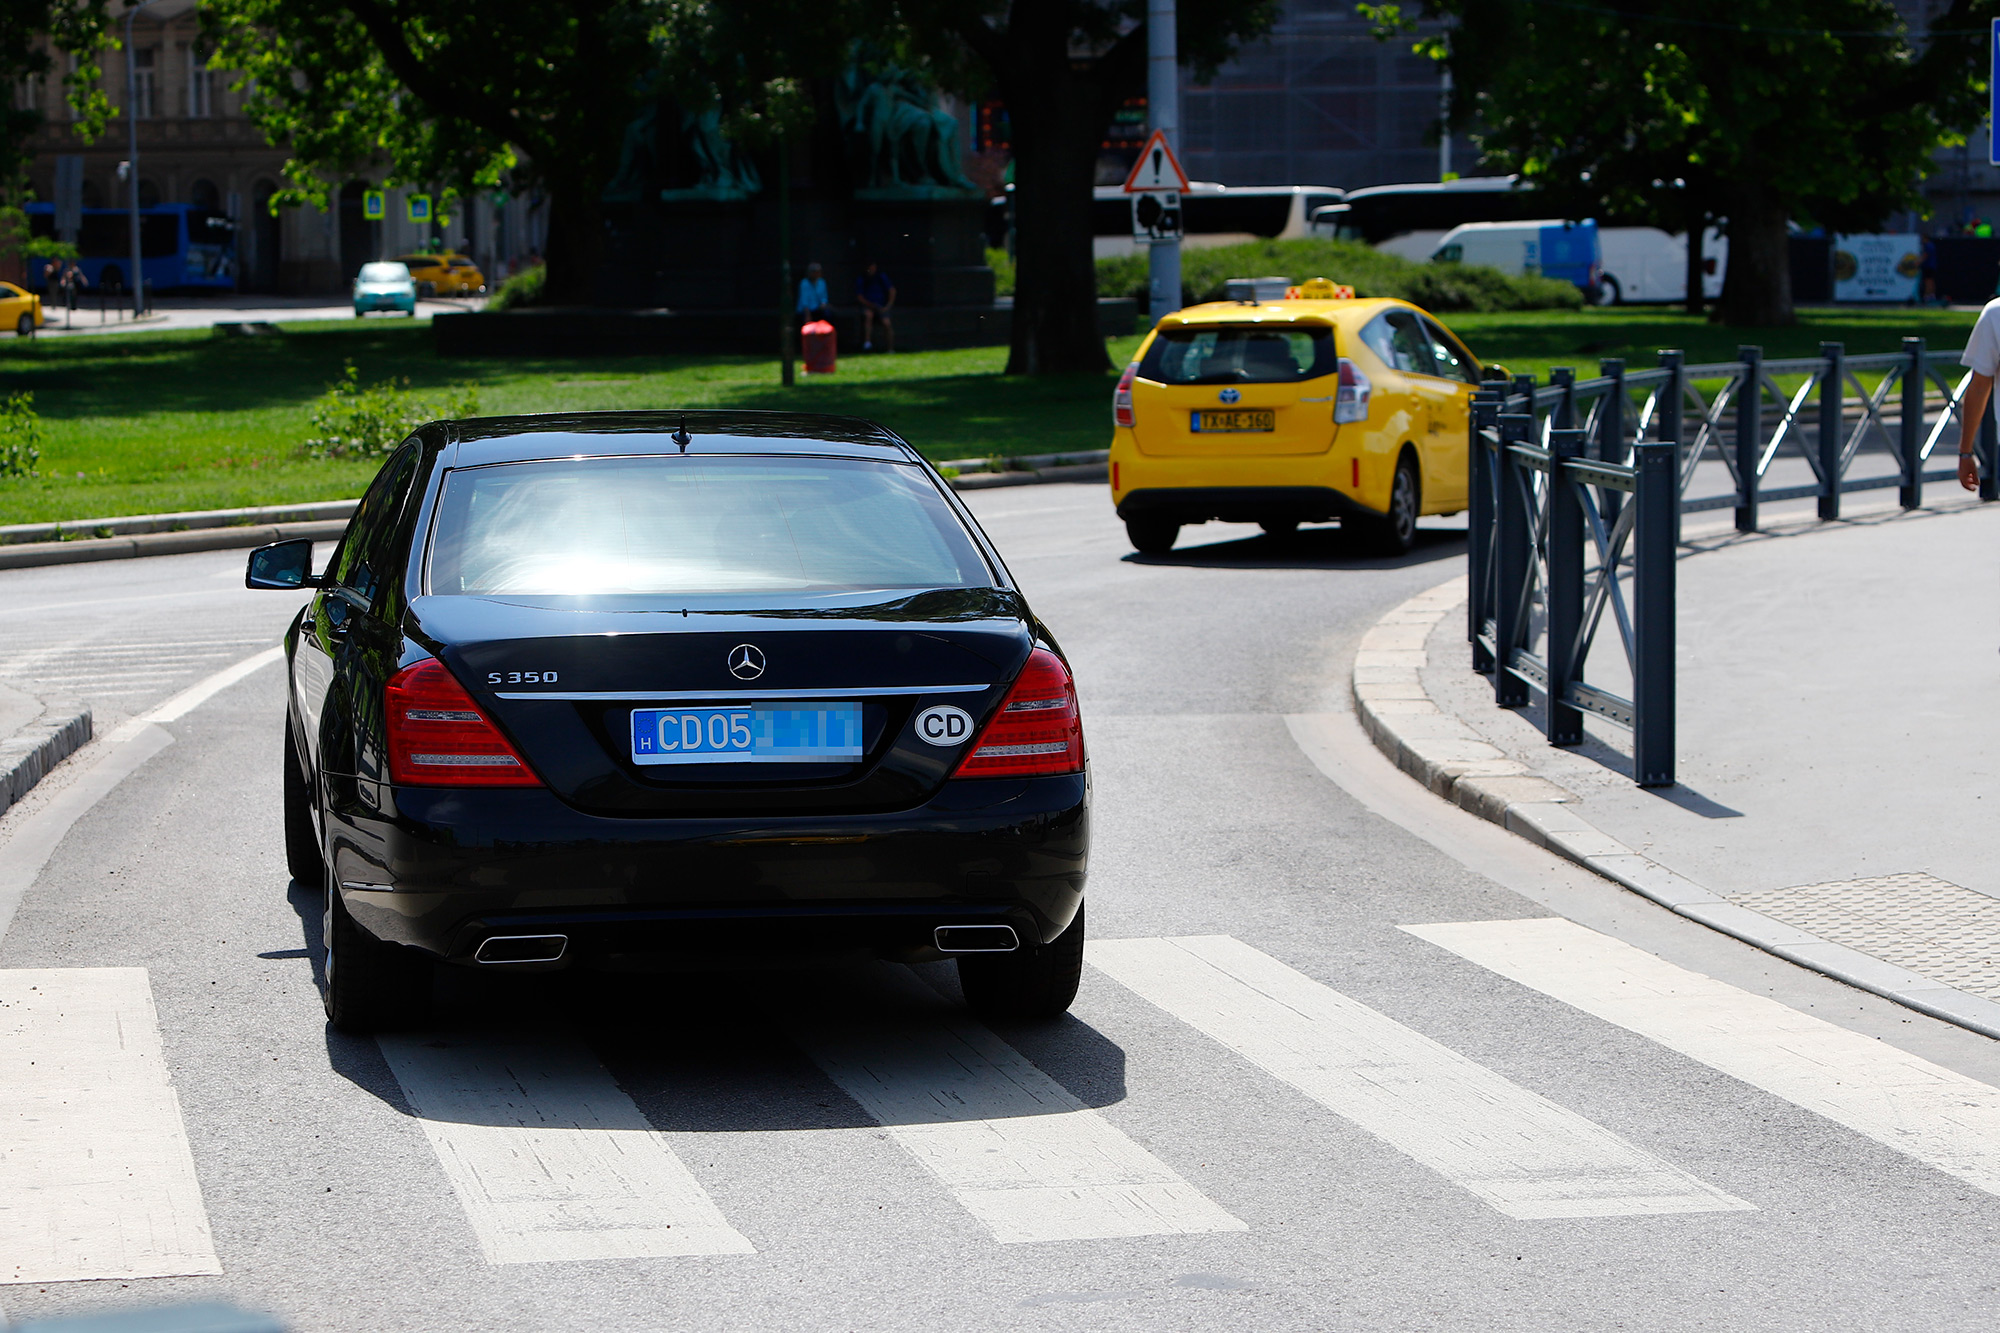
(1518,1151)
(1022,1155)
(1902,1101)
(97,1180)
(549,1156)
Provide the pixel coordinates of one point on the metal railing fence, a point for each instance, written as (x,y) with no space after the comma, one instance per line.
(1578,488)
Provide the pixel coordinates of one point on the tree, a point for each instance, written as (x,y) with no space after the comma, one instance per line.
(453,96)
(1757,112)
(32,34)
(1062,67)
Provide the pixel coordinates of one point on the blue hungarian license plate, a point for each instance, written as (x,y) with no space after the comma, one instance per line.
(756,734)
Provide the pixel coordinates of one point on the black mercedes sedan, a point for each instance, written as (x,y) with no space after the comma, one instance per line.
(639,690)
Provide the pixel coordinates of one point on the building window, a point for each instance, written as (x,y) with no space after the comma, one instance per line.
(69,103)
(201,84)
(142,83)
(28,93)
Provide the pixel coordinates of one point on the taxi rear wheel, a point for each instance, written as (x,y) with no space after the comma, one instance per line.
(1152,536)
(1395,532)
(1035,981)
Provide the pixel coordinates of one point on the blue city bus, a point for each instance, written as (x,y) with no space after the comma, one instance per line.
(181,247)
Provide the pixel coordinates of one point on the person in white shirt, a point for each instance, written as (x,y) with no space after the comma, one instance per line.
(812,295)
(1982,357)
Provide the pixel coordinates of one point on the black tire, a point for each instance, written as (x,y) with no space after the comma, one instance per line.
(370,986)
(1395,533)
(302,855)
(426,290)
(1035,982)
(1152,536)
(1279,527)
(25,326)
(1608,291)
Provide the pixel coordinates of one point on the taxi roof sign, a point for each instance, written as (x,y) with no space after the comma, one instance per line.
(1320,289)
(1156,169)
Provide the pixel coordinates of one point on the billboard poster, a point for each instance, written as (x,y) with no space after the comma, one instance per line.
(1880,267)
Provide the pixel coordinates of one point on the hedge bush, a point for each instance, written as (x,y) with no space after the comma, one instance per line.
(1371,272)
(524,288)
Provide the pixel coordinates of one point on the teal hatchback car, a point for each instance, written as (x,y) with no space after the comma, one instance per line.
(385,286)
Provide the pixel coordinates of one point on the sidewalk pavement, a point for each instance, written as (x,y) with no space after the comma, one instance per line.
(200,312)
(34,738)
(1839,741)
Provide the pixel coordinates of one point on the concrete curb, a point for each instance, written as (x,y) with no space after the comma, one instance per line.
(31,554)
(1452,760)
(27,756)
(25,545)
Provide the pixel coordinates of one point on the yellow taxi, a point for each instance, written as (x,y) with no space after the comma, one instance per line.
(444,273)
(20,310)
(1312,408)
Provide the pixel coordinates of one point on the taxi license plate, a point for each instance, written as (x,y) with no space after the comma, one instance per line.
(751,734)
(1242,419)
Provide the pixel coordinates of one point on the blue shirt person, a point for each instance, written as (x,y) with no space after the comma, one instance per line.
(877,295)
(812,295)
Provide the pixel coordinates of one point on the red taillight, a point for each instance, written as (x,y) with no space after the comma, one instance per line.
(439,738)
(1037,729)
(1121,398)
(1350,401)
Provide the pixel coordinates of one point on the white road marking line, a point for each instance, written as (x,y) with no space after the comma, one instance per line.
(549,1157)
(1518,1151)
(1902,1101)
(202,691)
(1021,1154)
(96,1177)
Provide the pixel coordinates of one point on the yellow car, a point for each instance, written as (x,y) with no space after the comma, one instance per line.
(1289,412)
(444,273)
(20,310)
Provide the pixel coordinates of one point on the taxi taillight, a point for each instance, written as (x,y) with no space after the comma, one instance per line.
(438,737)
(1037,730)
(1350,401)
(1121,397)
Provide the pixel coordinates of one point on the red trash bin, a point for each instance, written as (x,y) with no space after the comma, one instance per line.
(818,341)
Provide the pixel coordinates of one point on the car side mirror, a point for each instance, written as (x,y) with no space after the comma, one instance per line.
(1495,372)
(285,566)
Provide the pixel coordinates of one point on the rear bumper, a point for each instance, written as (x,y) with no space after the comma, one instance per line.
(1241,504)
(450,869)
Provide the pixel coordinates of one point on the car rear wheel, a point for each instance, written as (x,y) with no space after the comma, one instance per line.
(427,289)
(25,326)
(1035,981)
(1395,532)
(370,985)
(1152,536)
(302,857)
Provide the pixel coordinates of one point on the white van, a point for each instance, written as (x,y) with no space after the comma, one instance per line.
(1647,264)
(1551,247)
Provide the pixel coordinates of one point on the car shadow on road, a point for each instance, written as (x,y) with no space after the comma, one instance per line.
(729,1049)
(1308,548)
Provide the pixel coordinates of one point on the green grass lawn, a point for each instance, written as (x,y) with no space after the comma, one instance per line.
(155,422)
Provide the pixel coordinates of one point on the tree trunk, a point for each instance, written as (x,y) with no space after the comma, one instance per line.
(1757,291)
(576,242)
(1697,271)
(1058,116)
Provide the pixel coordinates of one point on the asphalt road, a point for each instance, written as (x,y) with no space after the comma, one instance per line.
(1288,1097)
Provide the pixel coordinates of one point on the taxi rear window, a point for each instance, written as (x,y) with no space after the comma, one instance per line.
(1239,354)
(689,526)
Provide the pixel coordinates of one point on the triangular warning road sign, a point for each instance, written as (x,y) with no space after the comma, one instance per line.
(1157,168)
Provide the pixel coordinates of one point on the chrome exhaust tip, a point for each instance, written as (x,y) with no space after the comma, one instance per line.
(976,939)
(521,949)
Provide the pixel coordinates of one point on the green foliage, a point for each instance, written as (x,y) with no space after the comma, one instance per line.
(32,34)
(1371,272)
(523,289)
(350,421)
(20,436)
(1712,109)
(1002,265)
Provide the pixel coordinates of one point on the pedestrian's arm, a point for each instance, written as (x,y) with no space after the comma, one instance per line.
(892,299)
(1972,411)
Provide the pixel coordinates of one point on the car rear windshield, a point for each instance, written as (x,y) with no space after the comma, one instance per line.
(1239,354)
(384,273)
(693,526)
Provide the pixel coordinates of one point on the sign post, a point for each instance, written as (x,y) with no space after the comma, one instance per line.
(1992,92)
(1155,186)
(1163,110)
(374,205)
(419,208)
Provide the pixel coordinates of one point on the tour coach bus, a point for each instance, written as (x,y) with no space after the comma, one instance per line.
(181,246)
(1216,215)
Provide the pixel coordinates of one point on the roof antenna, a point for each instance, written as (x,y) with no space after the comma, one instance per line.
(681,436)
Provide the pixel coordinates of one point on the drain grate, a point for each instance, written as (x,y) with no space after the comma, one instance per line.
(1931,926)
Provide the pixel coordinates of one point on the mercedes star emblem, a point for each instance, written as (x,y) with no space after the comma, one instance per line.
(746,661)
